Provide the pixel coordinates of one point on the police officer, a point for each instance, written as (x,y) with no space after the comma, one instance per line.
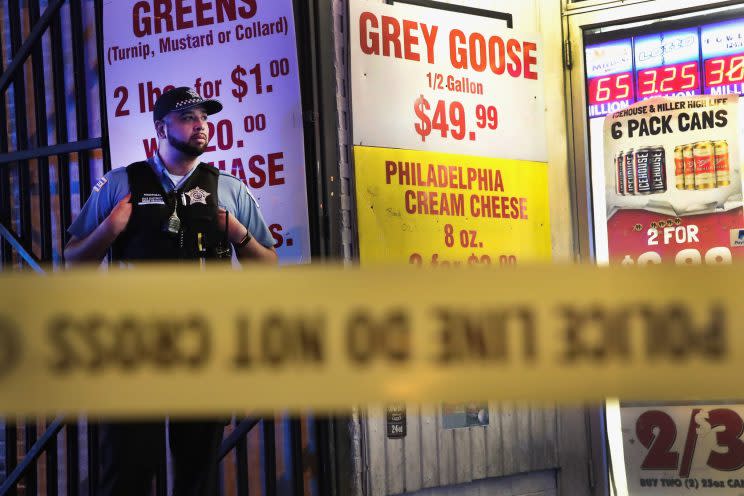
(169,207)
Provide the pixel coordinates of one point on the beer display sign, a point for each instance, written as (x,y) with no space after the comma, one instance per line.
(672,190)
(682,60)
(685,449)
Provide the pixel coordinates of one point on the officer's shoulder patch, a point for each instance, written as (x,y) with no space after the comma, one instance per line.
(100,184)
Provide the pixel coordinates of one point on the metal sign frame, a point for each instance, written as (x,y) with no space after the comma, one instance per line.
(603,426)
(574,25)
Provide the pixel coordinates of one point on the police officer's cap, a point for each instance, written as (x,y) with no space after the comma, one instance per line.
(182,98)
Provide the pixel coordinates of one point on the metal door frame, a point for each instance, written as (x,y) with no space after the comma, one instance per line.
(578,16)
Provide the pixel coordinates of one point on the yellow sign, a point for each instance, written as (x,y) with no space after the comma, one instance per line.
(433,209)
(183,342)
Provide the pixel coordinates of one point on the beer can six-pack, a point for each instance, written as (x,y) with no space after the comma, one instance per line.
(697,166)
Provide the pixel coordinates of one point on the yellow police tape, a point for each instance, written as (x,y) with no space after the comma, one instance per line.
(175,340)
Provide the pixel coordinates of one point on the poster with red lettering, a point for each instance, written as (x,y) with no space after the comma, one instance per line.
(240,52)
(673,181)
(450,146)
(461,83)
(683,449)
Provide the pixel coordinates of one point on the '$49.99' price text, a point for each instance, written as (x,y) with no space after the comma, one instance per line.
(450,119)
(657,431)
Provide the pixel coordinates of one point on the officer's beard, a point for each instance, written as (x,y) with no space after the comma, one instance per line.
(185,147)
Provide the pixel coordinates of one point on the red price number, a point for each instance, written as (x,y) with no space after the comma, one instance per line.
(657,431)
(466,237)
(486,117)
(221,135)
(244,80)
(668,79)
(504,260)
(686,256)
(221,132)
(254,123)
(610,88)
(450,119)
(724,70)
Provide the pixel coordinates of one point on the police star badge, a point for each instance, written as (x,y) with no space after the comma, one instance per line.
(197,195)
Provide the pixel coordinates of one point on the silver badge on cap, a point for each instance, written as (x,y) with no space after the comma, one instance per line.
(197,195)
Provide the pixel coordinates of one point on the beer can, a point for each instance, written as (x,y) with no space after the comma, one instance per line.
(642,171)
(723,171)
(704,159)
(679,167)
(657,169)
(620,173)
(689,166)
(629,173)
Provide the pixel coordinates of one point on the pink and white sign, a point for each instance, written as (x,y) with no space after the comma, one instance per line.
(241,52)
